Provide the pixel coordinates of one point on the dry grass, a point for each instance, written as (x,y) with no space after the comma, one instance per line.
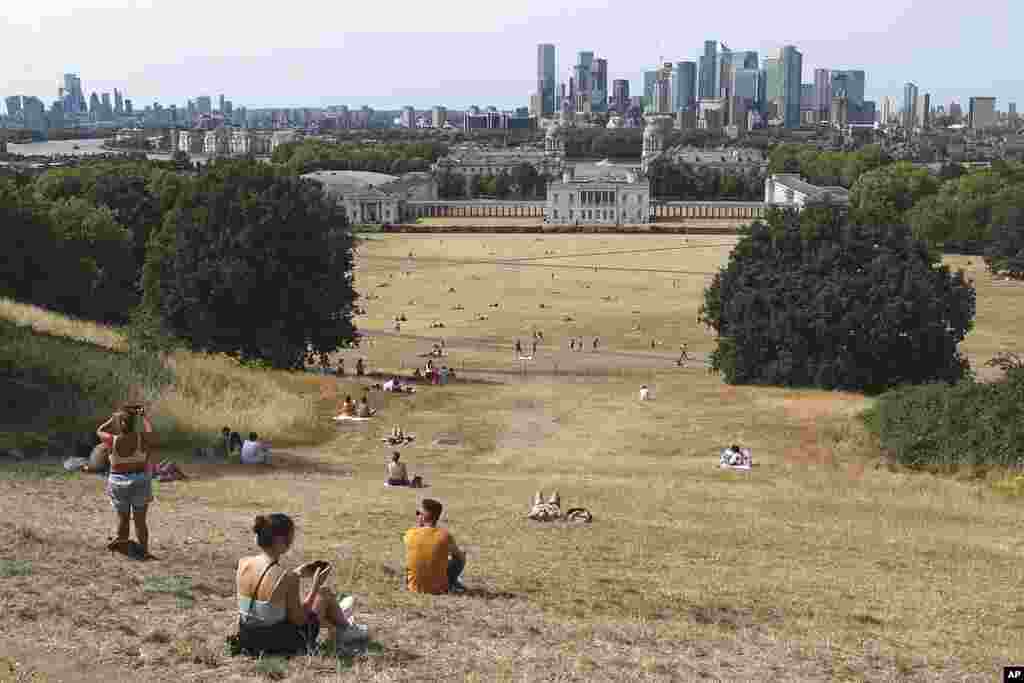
(42,320)
(820,564)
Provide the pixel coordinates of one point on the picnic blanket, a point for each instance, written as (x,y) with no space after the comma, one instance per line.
(350,418)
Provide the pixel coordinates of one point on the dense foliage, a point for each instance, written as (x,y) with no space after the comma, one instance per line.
(381,157)
(826,168)
(811,299)
(884,195)
(254,263)
(524,182)
(969,423)
(675,181)
(1005,253)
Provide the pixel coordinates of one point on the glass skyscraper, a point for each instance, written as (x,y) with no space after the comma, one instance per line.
(684,81)
(791,63)
(546,77)
(707,85)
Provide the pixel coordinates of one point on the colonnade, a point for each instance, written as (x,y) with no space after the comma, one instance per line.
(708,210)
(475,210)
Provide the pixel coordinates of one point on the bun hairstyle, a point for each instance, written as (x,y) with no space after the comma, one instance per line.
(269,527)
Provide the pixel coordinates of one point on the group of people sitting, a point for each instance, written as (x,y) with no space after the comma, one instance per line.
(736,457)
(350,409)
(275,618)
(251,451)
(433,374)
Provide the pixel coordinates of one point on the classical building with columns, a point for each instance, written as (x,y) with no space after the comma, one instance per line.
(470,159)
(789,190)
(656,130)
(616,197)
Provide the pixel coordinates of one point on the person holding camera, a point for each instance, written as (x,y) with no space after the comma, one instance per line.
(129,483)
(273,619)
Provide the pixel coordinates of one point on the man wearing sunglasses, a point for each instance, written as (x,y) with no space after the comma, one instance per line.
(433,561)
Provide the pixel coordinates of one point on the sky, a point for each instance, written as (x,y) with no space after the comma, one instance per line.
(460,52)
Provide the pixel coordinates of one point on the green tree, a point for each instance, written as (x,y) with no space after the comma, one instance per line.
(254,263)
(502,185)
(812,300)
(883,196)
(1005,254)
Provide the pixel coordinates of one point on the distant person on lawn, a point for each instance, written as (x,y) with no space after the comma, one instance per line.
(130,483)
(254,451)
(348,407)
(272,617)
(433,561)
(364,409)
(396,472)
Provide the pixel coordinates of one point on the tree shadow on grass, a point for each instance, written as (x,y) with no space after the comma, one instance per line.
(281,461)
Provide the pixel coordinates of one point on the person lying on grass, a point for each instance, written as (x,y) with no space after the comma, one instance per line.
(433,561)
(272,618)
(130,483)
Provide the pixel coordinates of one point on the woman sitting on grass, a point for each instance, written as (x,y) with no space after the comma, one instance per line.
(348,407)
(272,617)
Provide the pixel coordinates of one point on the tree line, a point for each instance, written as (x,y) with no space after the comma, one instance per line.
(244,258)
(395,158)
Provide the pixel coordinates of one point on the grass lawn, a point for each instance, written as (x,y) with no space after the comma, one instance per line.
(817,565)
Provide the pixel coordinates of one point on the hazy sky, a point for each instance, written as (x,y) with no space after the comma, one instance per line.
(460,52)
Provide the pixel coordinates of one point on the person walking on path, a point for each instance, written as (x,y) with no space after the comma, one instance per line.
(519,348)
(596,339)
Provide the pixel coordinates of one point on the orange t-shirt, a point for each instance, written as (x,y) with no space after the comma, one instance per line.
(426,559)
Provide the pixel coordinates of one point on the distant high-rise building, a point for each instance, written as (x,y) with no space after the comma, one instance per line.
(599,93)
(909,105)
(228,107)
(204,105)
(772,68)
(94,106)
(106,108)
(583,75)
(822,90)
(663,90)
(923,111)
(1011,111)
(13,104)
(34,113)
(806,96)
(791,63)
(408,117)
(684,80)
(438,117)
(707,84)
(981,112)
(118,102)
(74,98)
(849,83)
(127,106)
(220,103)
(620,95)
(546,78)
(650,78)
(888,110)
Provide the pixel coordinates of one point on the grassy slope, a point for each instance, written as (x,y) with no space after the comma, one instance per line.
(816,566)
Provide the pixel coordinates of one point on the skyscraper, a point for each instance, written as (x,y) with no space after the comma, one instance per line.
(13,106)
(909,105)
(888,110)
(923,111)
(982,112)
(118,102)
(106,108)
(822,90)
(684,80)
(650,78)
(707,86)
(74,98)
(94,106)
(599,92)
(203,104)
(663,89)
(620,95)
(583,72)
(849,83)
(546,77)
(791,63)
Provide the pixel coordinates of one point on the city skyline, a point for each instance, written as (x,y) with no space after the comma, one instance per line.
(889,44)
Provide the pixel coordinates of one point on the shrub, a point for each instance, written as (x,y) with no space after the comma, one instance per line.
(968,424)
(811,300)
(1005,254)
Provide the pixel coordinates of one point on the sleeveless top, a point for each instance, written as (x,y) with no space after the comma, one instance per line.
(122,464)
(261,612)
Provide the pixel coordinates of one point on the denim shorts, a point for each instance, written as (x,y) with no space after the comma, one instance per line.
(130,491)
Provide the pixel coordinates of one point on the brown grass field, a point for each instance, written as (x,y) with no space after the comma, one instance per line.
(821,564)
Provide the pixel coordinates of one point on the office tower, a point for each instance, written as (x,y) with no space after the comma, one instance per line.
(707,85)
(923,111)
(408,117)
(772,68)
(34,113)
(13,106)
(599,93)
(439,115)
(203,104)
(546,78)
(744,84)
(684,81)
(849,83)
(650,78)
(583,74)
(1011,112)
(172,115)
(190,110)
(909,105)
(741,59)
(106,108)
(663,89)
(839,113)
(118,102)
(888,110)
(806,97)
(791,64)
(620,95)
(127,106)
(228,107)
(981,112)
(220,103)
(822,90)
(94,106)
(74,99)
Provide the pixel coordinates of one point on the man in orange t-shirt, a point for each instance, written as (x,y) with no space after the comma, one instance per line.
(433,562)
